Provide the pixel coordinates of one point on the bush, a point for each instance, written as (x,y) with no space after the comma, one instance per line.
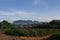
(12,32)
(54,37)
(31,32)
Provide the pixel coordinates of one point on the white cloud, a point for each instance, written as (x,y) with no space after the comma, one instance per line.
(36,2)
(40,3)
(13,14)
(17,15)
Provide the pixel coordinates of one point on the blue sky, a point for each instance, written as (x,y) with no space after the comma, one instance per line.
(41,10)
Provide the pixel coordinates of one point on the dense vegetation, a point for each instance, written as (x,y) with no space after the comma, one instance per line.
(32,32)
(54,24)
(54,37)
(8,29)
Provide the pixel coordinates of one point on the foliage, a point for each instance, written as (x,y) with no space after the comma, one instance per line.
(54,37)
(12,32)
(37,30)
(32,32)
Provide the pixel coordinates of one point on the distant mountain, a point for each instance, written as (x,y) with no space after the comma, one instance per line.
(24,22)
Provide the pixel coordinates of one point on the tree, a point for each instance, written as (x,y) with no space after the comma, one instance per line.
(55,23)
(6,25)
(0,25)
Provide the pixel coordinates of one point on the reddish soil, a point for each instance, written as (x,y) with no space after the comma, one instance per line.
(6,37)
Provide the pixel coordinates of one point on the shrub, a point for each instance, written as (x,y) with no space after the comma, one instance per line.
(13,32)
(31,32)
(54,37)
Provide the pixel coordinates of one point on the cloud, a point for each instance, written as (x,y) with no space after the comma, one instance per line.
(15,14)
(36,2)
(40,3)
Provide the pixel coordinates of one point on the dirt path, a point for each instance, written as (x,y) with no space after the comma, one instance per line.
(6,37)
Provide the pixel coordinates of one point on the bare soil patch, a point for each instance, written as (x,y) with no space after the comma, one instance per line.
(7,37)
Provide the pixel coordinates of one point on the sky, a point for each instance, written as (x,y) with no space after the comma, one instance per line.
(40,10)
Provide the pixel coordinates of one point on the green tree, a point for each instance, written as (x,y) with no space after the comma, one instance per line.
(0,25)
(6,25)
